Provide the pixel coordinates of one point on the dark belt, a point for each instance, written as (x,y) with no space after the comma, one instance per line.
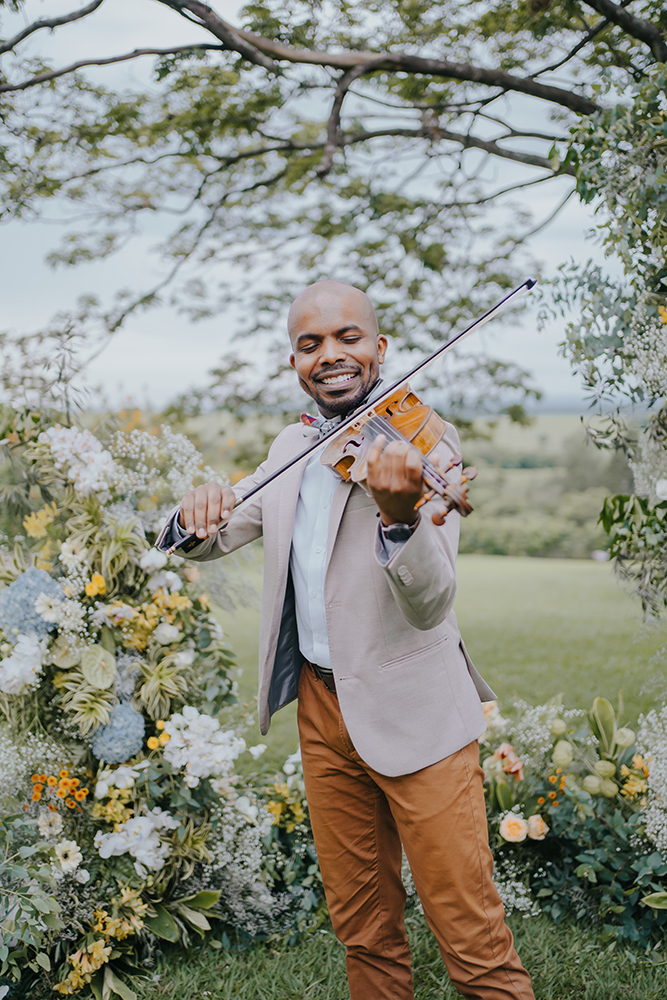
(325,676)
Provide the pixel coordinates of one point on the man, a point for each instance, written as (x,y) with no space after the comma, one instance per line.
(357,621)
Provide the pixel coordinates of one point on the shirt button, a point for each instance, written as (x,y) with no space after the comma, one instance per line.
(325,505)
(319,638)
(318,548)
(313,593)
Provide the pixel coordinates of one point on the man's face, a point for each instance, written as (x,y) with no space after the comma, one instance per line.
(337,351)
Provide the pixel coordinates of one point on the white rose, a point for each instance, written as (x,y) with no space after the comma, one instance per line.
(153,560)
(245,808)
(82,876)
(258,750)
(165,634)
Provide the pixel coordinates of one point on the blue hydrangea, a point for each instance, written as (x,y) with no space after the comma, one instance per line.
(17,603)
(122,737)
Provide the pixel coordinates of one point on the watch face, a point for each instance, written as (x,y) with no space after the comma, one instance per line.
(398,533)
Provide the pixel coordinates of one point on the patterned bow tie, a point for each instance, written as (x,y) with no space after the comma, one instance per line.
(318,425)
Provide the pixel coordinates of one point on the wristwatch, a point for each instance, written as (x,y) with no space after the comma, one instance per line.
(398,532)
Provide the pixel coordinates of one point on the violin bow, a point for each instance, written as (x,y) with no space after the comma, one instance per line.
(490,314)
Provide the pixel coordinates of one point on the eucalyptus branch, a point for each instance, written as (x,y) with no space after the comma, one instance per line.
(52,22)
(55,73)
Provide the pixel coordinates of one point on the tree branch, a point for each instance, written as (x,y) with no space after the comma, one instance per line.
(55,73)
(333,127)
(231,38)
(385,61)
(595,30)
(643,31)
(53,22)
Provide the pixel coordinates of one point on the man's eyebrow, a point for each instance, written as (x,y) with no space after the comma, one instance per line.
(318,336)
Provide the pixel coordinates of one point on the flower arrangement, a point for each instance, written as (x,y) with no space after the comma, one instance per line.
(125,822)
(578,815)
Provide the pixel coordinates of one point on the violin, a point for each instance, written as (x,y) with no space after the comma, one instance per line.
(400,415)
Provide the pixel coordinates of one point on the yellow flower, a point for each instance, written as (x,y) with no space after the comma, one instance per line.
(153,742)
(537,828)
(96,585)
(164,738)
(663,313)
(159,724)
(35,524)
(513,828)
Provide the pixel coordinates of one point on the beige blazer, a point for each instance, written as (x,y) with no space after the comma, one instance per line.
(408,691)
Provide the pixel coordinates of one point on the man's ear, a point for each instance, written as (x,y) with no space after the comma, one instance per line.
(292,361)
(382,347)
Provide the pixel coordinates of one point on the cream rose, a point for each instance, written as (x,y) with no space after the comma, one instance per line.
(537,828)
(513,828)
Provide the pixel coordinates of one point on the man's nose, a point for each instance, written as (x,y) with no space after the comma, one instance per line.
(332,351)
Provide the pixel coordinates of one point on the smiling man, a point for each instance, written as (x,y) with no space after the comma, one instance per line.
(357,622)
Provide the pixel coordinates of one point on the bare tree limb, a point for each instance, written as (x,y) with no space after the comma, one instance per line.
(333,127)
(55,73)
(643,31)
(231,38)
(385,61)
(53,22)
(595,30)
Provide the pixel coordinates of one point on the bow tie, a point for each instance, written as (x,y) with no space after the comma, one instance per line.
(318,425)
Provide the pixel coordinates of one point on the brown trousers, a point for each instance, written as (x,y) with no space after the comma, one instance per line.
(360,818)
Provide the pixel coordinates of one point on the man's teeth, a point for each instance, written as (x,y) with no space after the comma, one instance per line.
(337,378)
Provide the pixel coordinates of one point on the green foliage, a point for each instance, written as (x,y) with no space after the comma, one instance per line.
(29,909)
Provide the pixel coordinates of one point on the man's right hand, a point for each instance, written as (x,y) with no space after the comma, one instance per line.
(203,508)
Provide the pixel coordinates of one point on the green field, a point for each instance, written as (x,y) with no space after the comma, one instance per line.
(535,628)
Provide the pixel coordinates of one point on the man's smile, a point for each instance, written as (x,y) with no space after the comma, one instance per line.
(340,378)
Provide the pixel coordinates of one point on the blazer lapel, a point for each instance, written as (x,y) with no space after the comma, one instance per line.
(338,502)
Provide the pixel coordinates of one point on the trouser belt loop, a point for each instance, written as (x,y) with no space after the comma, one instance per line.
(323,675)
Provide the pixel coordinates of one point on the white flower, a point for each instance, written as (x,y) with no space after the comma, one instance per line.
(69,855)
(258,750)
(165,579)
(245,808)
(122,777)
(48,607)
(81,456)
(183,658)
(49,824)
(661,489)
(73,553)
(21,669)
(139,837)
(82,876)
(199,747)
(165,633)
(294,760)
(153,560)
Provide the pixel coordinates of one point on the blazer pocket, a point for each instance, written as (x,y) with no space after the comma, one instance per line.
(418,654)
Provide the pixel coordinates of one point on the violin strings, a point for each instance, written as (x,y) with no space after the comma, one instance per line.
(380,425)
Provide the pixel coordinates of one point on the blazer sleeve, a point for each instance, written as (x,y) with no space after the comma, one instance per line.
(422,573)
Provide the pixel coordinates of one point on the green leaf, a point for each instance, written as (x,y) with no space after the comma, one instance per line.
(204,900)
(163,925)
(114,984)
(656,900)
(193,917)
(504,795)
(44,960)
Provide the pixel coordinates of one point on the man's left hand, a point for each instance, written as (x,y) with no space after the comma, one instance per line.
(395,479)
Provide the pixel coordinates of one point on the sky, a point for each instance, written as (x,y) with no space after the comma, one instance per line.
(160,353)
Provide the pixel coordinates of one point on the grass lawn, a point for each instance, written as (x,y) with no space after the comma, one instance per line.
(535,628)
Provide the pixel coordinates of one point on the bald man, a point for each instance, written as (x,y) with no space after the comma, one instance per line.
(357,622)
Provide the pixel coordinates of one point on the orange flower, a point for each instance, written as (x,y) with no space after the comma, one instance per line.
(552,779)
(541,800)
(552,795)
(70,803)
(51,807)
(61,793)
(42,777)
(38,787)
(64,773)
(559,770)
(34,778)
(51,781)
(74,783)
(79,795)
(84,791)
(554,803)
(36,796)
(152,743)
